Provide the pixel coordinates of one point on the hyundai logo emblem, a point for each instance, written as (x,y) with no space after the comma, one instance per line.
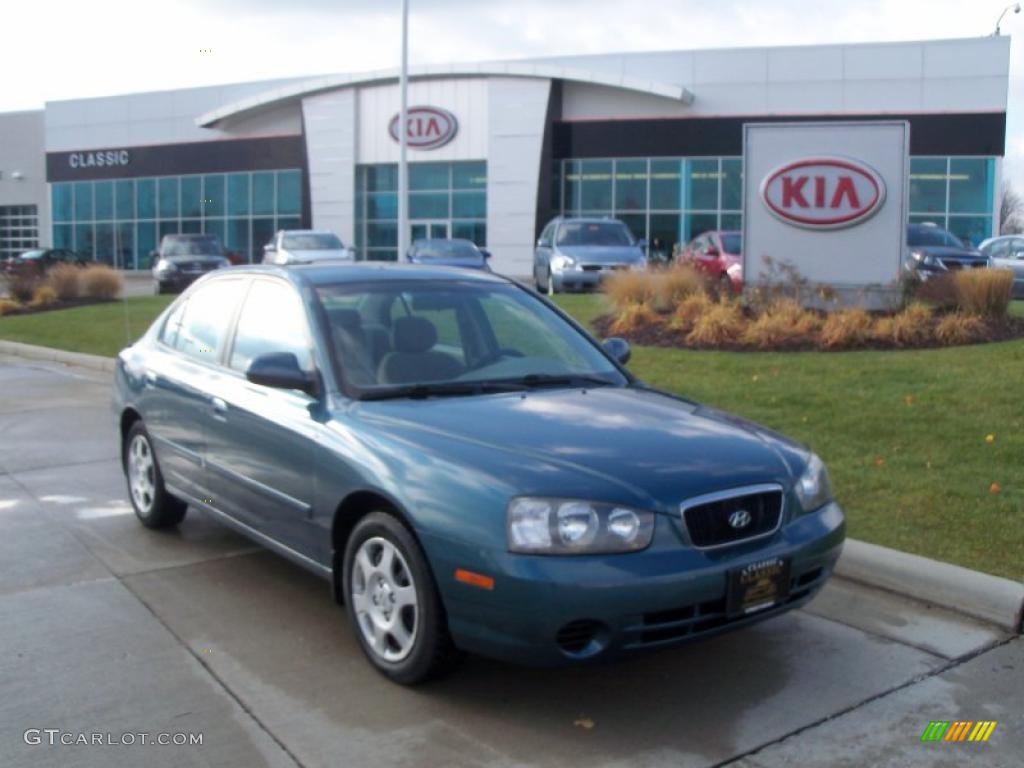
(739,519)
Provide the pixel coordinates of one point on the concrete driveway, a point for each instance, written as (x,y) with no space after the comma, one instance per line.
(115,630)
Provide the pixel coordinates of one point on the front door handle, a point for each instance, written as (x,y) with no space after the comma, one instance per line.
(219,409)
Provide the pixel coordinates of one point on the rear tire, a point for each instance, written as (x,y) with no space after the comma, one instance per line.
(153,505)
(393,603)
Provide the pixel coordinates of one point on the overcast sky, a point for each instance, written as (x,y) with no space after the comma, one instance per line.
(62,50)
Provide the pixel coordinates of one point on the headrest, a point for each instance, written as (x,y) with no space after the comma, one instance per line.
(413,335)
(347,320)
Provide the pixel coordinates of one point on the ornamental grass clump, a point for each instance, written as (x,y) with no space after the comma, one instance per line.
(845,329)
(984,292)
(44,296)
(101,282)
(633,318)
(958,328)
(722,323)
(783,322)
(688,310)
(674,285)
(912,326)
(627,287)
(7,306)
(66,281)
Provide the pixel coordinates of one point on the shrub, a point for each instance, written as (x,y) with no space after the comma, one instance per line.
(44,296)
(632,318)
(984,292)
(722,322)
(22,284)
(939,291)
(629,287)
(7,306)
(958,328)
(781,322)
(912,326)
(101,282)
(846,328)
(66,281)
(688,310)
(672,286)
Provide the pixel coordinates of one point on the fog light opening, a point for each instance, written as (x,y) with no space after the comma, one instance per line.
(582,638)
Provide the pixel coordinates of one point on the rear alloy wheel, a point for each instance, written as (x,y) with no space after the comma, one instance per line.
(392,602)
(153,505)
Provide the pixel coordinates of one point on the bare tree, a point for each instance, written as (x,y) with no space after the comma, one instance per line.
(1011,211)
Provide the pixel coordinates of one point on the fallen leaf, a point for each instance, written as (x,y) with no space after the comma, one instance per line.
(879,461)
(584,722)
(995,488)
(908,399)
(755,377)
(990,439)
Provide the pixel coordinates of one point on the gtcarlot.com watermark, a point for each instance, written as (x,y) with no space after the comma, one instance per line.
(55,736)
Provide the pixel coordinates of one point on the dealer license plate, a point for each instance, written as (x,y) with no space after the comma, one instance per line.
(758,586)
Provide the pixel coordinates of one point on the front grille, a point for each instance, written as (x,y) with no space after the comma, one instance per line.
(690,622)
(708,517)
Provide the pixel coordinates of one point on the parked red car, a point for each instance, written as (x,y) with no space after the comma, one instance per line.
(718,254)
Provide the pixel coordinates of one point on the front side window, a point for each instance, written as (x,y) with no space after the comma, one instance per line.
(198,328)
(272,320)
(394,335)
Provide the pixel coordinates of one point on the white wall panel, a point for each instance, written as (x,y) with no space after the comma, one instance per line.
(893,61)
(331,126)
(805,63)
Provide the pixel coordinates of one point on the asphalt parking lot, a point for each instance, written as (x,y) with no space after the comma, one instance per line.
(111,628)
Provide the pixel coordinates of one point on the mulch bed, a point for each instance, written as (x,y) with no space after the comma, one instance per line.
(1007,329)
(26,309)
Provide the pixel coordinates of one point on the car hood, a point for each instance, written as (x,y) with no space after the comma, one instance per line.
(949,252)
(628,444)
(193,258)
(602,254)
(307,257)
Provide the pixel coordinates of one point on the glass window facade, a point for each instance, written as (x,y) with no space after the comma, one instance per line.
(957,193)
(443,197)
(672,200)
(121,222)
(666,200)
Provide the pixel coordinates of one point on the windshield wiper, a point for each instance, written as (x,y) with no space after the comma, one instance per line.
(443,389)
(538,380)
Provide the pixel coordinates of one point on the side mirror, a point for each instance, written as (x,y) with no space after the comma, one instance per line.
(281,370)
(485,253)
(269,248)
(617,348)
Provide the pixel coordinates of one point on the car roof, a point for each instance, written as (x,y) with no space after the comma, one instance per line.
(589,219)
(365,272)
(306,232)
(431,240)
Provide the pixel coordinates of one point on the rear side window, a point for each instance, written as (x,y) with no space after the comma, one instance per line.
(272,320)
(198,328)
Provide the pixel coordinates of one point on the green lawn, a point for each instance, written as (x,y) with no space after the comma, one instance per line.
(903,433)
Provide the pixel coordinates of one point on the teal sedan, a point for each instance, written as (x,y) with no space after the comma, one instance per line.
(468,468)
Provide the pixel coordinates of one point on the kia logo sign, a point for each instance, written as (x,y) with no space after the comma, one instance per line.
(823,192)
(426,127)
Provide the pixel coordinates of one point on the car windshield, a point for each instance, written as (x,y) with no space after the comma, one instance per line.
(445,249)
(192,246)
(594,233)
(925,236)
(732,242)
(311,241)
(401,338)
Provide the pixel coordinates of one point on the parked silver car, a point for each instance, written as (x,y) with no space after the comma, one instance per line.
(576,254)
(1007,252)
(305,246)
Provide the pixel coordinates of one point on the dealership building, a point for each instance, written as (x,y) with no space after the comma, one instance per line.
(496,149)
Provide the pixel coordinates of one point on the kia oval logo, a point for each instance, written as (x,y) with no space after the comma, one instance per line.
(823,192)
(426,127)
(739,519)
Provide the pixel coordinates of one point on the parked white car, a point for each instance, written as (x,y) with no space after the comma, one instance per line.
(305,246)
(1007,252)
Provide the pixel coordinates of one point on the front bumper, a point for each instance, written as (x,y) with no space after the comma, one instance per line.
(585,279)
(176,281)
(541,607)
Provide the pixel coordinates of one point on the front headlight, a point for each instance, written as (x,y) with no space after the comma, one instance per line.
(163,265)
(545,526)
(813,489)
(639,266)
(223,263)
(560,263)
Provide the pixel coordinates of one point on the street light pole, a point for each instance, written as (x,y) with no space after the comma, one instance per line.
(403,131)
(1015,7)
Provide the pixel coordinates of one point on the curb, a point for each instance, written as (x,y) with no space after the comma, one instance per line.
(95,362)
(978,595)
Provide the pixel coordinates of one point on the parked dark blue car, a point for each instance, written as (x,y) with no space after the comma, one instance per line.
(468,468)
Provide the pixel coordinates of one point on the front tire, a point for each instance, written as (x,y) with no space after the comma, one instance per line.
(153,505)
(393,604)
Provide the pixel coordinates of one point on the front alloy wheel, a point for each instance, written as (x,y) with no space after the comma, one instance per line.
(153,505)
(392,601)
